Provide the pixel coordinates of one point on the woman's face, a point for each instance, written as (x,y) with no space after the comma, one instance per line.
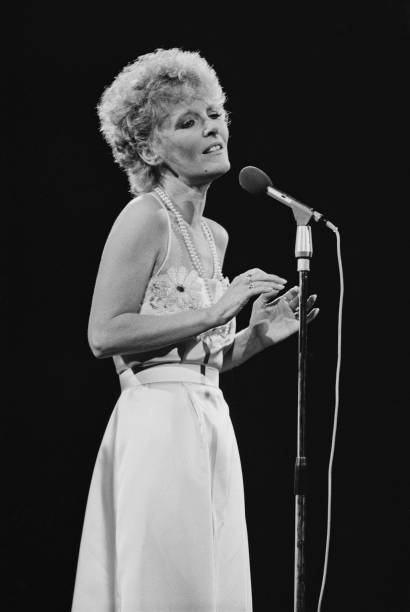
(193,142)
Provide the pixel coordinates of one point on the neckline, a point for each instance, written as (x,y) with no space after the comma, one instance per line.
(186,232)
(214,274)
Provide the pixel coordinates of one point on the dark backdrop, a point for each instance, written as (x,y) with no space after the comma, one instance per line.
(318,99)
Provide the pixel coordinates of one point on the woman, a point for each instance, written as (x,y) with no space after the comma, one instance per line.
(164,527)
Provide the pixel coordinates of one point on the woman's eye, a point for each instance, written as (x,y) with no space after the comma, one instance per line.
(187,123)
(215,115)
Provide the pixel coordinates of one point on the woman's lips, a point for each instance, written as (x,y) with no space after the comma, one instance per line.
(215,148)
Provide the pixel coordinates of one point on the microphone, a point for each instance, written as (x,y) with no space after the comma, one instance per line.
(256,182)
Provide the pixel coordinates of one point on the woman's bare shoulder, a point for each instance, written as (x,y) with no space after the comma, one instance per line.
(141,226)
(141,212)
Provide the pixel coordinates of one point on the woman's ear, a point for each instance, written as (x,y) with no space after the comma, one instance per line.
(149,154)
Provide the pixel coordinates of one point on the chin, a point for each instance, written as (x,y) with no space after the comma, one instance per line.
(217,171)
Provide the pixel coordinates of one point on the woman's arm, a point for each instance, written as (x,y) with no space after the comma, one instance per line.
(135,244)
(245,345)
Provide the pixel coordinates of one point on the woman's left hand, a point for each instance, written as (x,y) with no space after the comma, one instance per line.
(274,320)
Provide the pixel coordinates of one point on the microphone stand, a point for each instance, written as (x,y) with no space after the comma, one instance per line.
(303,254)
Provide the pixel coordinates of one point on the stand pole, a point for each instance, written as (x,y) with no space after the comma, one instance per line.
(303,253)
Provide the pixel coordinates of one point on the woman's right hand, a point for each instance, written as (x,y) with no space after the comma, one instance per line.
(250,284)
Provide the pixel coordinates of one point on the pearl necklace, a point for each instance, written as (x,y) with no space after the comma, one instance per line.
(193,253)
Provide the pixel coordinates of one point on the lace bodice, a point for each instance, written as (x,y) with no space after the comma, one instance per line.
(177,287)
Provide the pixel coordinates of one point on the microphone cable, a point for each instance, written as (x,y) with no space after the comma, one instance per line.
(336,413)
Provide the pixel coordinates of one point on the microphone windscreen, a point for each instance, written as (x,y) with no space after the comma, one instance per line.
(254,180)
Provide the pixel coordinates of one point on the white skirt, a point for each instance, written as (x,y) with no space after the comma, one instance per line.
(164,527)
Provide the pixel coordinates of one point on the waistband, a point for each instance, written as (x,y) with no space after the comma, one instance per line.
(191,373)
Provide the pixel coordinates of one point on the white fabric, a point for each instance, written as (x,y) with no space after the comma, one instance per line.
(164,527)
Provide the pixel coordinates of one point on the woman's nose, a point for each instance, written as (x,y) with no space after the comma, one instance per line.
(210,128)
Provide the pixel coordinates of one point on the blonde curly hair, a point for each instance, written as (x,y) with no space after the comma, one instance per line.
(135,105)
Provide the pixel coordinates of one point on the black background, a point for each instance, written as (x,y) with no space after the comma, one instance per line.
(318,96)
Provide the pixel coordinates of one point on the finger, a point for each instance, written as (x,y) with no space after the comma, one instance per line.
(308,309)
(269,287)
(309,304)
(292,297)
(292,292)
(269,302)
(287,298)
(312,314)
(311,300)
(270,298)
(259,288)
(294,303)
(259,275)
(281,305)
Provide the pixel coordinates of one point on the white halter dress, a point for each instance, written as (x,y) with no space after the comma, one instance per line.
(164,527)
